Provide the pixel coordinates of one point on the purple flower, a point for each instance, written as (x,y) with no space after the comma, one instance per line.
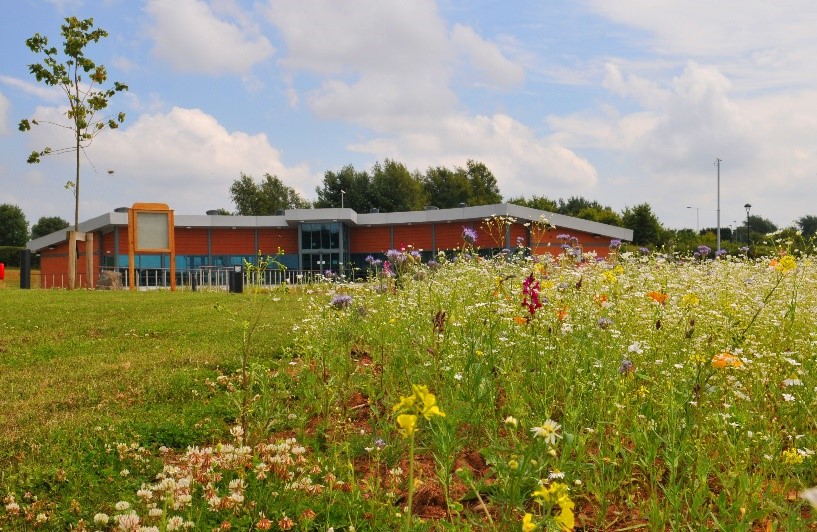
(704,251)
(744,249)
(644,251)
(396,256)
(369,259)
(563,236)
(469,235)
(721,253)
(626,367)
(605,323)
(340,301)
(615,243)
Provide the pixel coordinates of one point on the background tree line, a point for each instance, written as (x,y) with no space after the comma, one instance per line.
(391,187)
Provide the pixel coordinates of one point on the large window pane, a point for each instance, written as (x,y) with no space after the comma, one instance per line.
(316,236)
(334,237)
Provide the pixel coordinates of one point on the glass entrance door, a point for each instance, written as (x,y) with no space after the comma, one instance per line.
(321,262)
(322,247)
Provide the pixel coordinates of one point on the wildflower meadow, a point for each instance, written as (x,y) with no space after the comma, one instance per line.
(477,391)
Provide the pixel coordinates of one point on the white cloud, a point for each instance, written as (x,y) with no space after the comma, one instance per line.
(386,65)
(331,37)
(522,163)
(486,58)
(51,94)
(184,158)
(645,91)
(187,155)
(698,118)
(764,43)
(189,35)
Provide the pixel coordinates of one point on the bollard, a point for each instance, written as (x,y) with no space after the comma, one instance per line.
(2,272)
(25,269)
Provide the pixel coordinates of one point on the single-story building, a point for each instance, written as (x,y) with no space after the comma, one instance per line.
(319,240)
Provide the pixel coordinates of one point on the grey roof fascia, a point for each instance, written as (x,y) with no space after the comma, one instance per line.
(481,212)
(102,222)
(345,215)
(571,222)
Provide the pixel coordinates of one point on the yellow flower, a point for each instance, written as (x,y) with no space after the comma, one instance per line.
(428,400)
(566,520)
(786,264)
(527,523)
(690,300)
(406,403)
(792,457)
(407,423)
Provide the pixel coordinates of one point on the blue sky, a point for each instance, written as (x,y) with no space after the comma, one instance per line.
(623,102)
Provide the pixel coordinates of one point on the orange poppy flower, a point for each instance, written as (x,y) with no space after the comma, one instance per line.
(658,297)
(600,299)
(562,314)
(519,320)
(726,360)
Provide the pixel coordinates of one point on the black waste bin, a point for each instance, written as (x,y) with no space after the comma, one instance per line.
(25,269)
(236,280)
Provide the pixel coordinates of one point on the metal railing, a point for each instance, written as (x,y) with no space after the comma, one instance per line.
(215,278)
(209,278)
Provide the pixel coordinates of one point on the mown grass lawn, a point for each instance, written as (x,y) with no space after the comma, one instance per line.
(80,370)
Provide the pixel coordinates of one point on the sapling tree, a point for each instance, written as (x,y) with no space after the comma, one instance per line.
(82,80)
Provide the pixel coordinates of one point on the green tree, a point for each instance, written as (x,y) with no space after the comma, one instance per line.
(446,188)
(265,198)
(86,97)
(808,225)
(604,215)
(760,225)
(682,240)
(13,226)
(395,189)
(535,202)
(484,188)
(348,187)
(647,230)
(47,225)
(575,204)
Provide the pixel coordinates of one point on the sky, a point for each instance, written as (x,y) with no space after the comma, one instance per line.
(618,101)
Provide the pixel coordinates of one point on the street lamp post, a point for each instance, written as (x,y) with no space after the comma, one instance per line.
(718,164)
(697,219)
(747,207)
(342,192)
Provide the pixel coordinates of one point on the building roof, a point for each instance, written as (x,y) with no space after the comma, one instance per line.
(292,217)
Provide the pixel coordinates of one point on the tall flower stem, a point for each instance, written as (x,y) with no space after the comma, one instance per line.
(407,522)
